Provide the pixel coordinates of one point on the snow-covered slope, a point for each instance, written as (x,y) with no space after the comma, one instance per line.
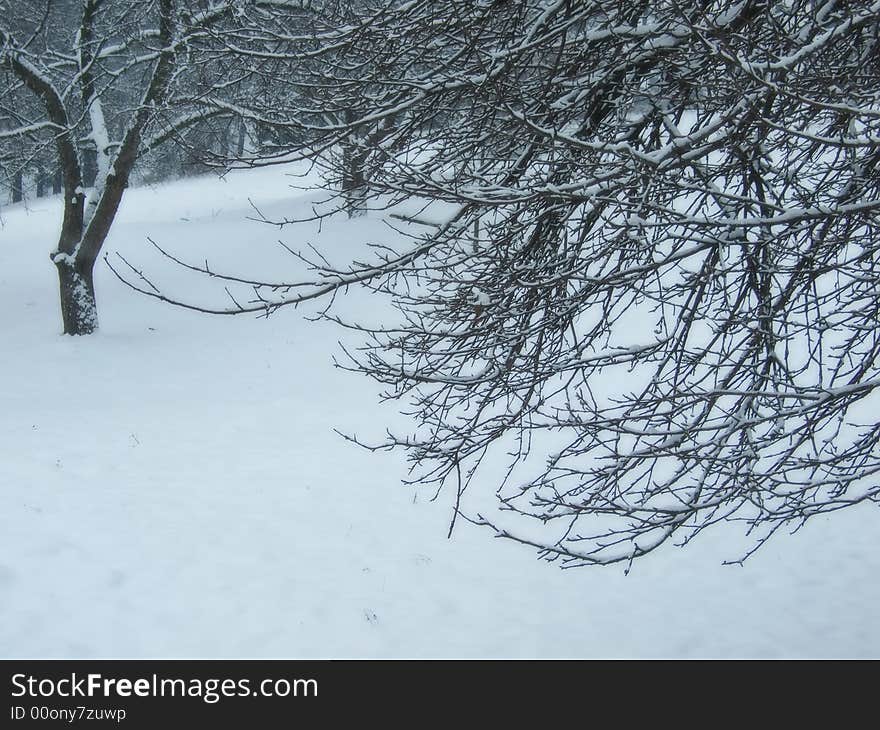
(173,487)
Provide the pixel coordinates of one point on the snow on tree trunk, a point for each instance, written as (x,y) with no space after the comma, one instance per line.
(79,309)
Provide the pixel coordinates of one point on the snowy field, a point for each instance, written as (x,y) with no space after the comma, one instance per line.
(173,487)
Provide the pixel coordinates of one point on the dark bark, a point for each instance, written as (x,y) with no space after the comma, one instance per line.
(77,289)
(79,310)
(239,146)
(356,161)
(17,187)
(41,182)
(89,166)
(57,182)
(354,180)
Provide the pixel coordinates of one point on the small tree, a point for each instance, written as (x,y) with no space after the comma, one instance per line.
(657,288)
(106,81)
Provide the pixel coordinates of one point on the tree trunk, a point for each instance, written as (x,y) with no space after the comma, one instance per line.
(57,182)
(354,182)
(89,166)
(248,144)
(17,187)
(79,309)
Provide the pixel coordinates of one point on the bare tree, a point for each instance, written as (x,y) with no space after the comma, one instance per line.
(103,82)
(655,280)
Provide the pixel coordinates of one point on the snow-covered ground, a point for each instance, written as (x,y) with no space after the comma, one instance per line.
(173,487)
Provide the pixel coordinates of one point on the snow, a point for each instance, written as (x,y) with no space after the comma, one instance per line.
(480,297)
(732,13)
(173,486)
